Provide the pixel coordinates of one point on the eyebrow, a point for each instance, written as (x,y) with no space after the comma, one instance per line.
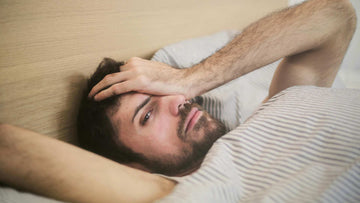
(140,106)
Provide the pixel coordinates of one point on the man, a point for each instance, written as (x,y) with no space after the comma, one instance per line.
(158,134)
(313,38)
(313,59)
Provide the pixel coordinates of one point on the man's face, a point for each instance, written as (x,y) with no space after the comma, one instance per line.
(171,133)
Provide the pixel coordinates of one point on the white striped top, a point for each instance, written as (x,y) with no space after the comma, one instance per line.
(303,145)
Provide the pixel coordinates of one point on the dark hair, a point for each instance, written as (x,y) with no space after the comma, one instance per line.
(94,129)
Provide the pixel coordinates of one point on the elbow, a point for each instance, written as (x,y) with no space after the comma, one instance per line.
(350,19)
(344,20)
(5,130)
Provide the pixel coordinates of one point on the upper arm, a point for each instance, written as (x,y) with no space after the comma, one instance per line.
(62,171)
(319,64)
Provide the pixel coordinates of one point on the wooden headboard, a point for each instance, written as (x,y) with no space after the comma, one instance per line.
(48,48)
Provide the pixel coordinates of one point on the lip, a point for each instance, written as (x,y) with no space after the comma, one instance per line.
(192,118)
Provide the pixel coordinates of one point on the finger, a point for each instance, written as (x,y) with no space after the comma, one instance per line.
(131,63)
(108,81)
(116,89)
(125,67)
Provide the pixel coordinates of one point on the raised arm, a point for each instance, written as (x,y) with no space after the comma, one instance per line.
(313,38)
(59,170)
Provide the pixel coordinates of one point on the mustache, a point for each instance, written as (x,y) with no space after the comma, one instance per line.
(183,112)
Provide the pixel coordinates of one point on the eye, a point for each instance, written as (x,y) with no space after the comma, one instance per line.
(146,118)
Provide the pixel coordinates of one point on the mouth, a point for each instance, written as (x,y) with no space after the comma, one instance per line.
(192,119)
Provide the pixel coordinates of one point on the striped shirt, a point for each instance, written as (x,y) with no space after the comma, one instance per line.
(303,145)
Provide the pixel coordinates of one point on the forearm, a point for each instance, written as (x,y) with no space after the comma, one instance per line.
(56,169)
(313,35)
(284,33)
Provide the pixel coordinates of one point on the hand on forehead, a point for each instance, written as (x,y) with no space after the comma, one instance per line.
(144,76)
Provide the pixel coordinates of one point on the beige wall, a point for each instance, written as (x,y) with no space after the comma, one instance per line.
(47,48)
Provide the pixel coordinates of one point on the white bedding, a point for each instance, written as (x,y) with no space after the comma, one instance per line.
(303,145)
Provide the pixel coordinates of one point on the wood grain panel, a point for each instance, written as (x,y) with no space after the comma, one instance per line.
(48,48)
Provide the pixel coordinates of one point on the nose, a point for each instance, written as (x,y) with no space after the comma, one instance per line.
(173,102)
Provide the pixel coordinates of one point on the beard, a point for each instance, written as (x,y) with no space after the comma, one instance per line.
(198,141)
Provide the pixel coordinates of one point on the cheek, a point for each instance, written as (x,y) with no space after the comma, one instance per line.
(158,138)
(164,135)
(165,129)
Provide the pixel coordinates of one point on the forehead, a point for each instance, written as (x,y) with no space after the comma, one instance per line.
(130,101)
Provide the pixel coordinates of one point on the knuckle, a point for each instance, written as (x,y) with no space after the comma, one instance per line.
(132,60)
(114,88)
(108,78)
(117,89)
